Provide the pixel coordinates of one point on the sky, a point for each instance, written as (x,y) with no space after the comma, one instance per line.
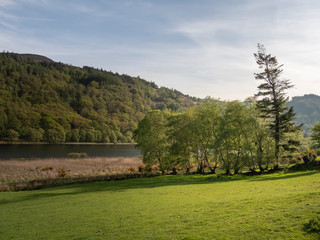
(199,47)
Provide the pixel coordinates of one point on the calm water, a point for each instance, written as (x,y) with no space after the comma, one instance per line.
(8,151)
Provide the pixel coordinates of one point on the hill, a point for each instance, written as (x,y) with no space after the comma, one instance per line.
(34,57)
(307,110)
(43,100)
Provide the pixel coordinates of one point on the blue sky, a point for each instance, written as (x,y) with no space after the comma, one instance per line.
(199,47)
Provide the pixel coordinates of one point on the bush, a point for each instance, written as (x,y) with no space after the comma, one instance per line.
(155,169)
(313,225)
(77,155)
(141,168)
(131,169)
(62,172)
(309,156)
(47,168)
(148,168)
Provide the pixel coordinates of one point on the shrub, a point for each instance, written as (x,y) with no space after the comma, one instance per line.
(131,169)
(47,168)
(77,155)
(313,225)
(62,172)
(148,168)
(141,168)
(155,169)
(309,156)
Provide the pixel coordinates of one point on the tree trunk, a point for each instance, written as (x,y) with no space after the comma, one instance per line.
(277,135)
(174,171)
(200,169)
(260,167)
(213,170)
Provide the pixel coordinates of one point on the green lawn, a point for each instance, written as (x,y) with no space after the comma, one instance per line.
(274,206)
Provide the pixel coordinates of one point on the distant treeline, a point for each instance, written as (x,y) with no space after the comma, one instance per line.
(44,101)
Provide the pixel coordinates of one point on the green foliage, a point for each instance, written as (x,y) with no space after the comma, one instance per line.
(309,156)
(316,133)
(151,138)
(53,102)
(273,102)
(211,134)
(12,135)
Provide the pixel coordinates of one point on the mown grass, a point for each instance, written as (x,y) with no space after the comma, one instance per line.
(273,206)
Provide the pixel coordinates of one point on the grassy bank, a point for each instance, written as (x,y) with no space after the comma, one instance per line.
(274,206)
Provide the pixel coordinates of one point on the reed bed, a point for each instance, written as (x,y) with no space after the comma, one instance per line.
(19,174)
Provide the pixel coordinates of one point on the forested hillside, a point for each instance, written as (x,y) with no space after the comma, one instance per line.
(307,110)
(42,100)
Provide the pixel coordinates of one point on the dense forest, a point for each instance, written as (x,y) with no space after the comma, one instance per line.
(307,110)
(46,101)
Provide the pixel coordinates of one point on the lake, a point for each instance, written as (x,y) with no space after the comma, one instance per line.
(10,151)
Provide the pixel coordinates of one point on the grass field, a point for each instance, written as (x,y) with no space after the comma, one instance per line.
(274,206)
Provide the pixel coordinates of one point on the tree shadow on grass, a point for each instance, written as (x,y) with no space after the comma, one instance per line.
(118,186)
(294,174)
(142,183)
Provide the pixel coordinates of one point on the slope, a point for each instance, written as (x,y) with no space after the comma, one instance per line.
(307,110)
(42,100)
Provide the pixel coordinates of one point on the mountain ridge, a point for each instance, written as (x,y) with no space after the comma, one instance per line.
(307,109)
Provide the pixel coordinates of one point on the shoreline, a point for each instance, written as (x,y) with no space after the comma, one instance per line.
(66,143)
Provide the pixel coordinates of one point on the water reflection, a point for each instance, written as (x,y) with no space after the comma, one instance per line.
(9,151)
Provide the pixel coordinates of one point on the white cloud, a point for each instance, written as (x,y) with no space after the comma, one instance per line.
(208,54)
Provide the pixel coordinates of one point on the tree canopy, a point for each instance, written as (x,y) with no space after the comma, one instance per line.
(316,133)
(208,135)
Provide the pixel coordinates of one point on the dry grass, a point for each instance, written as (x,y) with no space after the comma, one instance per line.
(17,172)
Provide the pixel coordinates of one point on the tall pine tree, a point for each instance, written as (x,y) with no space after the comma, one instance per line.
(272,99)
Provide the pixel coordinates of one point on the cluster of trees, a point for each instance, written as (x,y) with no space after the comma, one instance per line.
(211,134)
(253,134)
(42,100)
